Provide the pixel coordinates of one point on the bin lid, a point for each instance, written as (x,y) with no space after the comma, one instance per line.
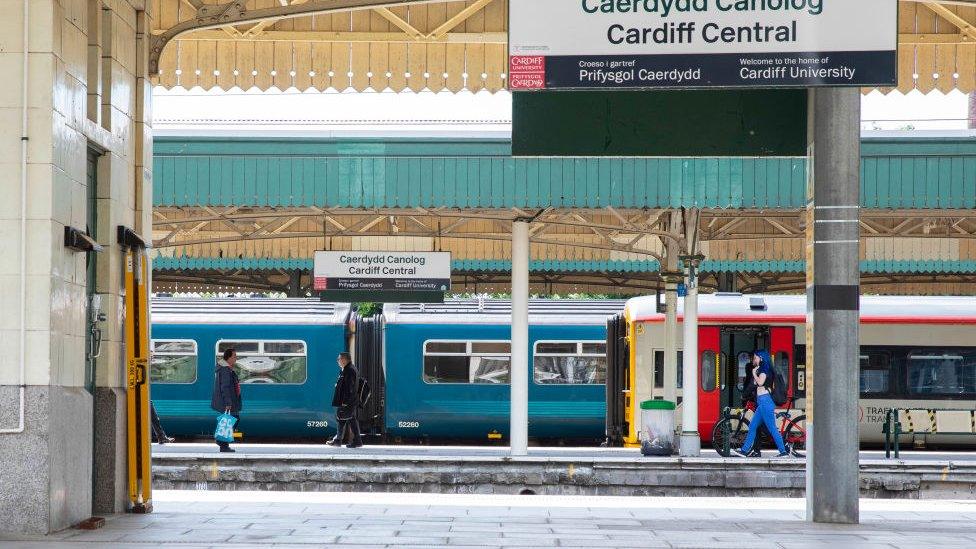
(657,405)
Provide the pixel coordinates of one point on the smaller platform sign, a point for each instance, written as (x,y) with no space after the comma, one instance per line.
(382,276)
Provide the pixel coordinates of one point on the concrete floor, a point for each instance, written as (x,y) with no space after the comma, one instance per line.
(197,519)
(496,451)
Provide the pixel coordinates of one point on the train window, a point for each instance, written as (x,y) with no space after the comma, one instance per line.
(239,346)
(552,348)
(949,372)
(268,362)
(569,363)
(658,369)
(742,361)
(445,369)
(490,369)
(459,347)
(467,362)
(173,361)
(681,369)
(709,365)
(594,348)
(875,374)
(491,347)
(781,364)
(284,347)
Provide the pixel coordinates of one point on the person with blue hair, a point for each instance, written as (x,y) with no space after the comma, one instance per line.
(762,373)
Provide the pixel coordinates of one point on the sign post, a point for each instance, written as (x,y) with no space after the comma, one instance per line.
(392,277)
(701,43)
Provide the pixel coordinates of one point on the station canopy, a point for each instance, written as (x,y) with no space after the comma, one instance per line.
(243,202)
(442,45)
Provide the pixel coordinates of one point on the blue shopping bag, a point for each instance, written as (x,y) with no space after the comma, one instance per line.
(225,428)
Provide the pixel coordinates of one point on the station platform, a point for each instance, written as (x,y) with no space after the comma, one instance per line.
(197,520)
(544,471)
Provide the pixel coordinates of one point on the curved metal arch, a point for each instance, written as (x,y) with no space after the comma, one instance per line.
(457,236)
(209,16)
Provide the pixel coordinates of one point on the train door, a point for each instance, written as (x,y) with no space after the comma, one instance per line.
(711,364)
(781,350)
(738,343)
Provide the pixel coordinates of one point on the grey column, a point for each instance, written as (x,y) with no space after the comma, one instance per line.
(519,378)
(833,296)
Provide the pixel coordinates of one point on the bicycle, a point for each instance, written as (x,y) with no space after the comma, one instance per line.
(730,432)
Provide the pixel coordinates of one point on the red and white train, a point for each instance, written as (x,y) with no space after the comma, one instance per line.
(916,352)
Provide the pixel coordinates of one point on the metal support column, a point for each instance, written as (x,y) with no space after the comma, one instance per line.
(672,276)
(690,438)
(519,428)
(670,341)
(833,295)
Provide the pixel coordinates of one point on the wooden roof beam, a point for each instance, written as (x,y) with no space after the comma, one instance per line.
(964,26)
(906,39)
(461,17)
(236,12)
(400,23)
(345,36)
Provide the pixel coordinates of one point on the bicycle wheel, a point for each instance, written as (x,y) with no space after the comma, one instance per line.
(795,434)
(734,429)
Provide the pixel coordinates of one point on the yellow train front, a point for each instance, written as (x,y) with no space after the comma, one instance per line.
(917,353)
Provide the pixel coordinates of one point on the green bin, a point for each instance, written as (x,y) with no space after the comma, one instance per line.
(657,427)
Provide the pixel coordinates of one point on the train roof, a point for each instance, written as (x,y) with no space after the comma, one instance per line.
(734,307)
(499,311)
(167,310)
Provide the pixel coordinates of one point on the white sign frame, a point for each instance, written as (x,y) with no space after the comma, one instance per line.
(381,271)
(559,44)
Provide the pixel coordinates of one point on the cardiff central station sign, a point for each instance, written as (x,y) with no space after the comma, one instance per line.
(392,277)
(566,44)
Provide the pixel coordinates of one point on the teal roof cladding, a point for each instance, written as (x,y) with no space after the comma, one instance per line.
(161,263)
(897,173)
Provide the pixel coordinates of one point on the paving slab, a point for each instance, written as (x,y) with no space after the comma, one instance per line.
(241,520)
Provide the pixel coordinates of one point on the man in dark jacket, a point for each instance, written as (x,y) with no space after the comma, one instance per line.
(346,400)
(227,391)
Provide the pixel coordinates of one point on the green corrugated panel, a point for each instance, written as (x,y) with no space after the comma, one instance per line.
(919,173)
(161,263)
(896,173)
(244,173)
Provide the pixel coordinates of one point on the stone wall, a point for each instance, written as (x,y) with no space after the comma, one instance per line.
(86,93)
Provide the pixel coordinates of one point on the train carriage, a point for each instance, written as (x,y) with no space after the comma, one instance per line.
(916,352)
(286,352)
(447,368)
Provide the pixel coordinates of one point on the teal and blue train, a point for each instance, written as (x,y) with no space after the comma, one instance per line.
(439,372)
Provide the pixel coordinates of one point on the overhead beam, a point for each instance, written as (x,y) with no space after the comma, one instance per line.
(908,39)
(346,36)
(964,26)
(400,23)
(236,12)
(461,17)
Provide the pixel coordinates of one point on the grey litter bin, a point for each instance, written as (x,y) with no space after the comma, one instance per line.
(657,428)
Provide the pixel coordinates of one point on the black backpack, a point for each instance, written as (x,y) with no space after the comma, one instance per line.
(779,389)
(363,391)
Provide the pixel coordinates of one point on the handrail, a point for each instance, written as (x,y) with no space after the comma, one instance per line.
(893,429)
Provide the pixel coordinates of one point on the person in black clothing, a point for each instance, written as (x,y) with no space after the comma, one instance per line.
(227,391)
(346,400)
(158,434)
